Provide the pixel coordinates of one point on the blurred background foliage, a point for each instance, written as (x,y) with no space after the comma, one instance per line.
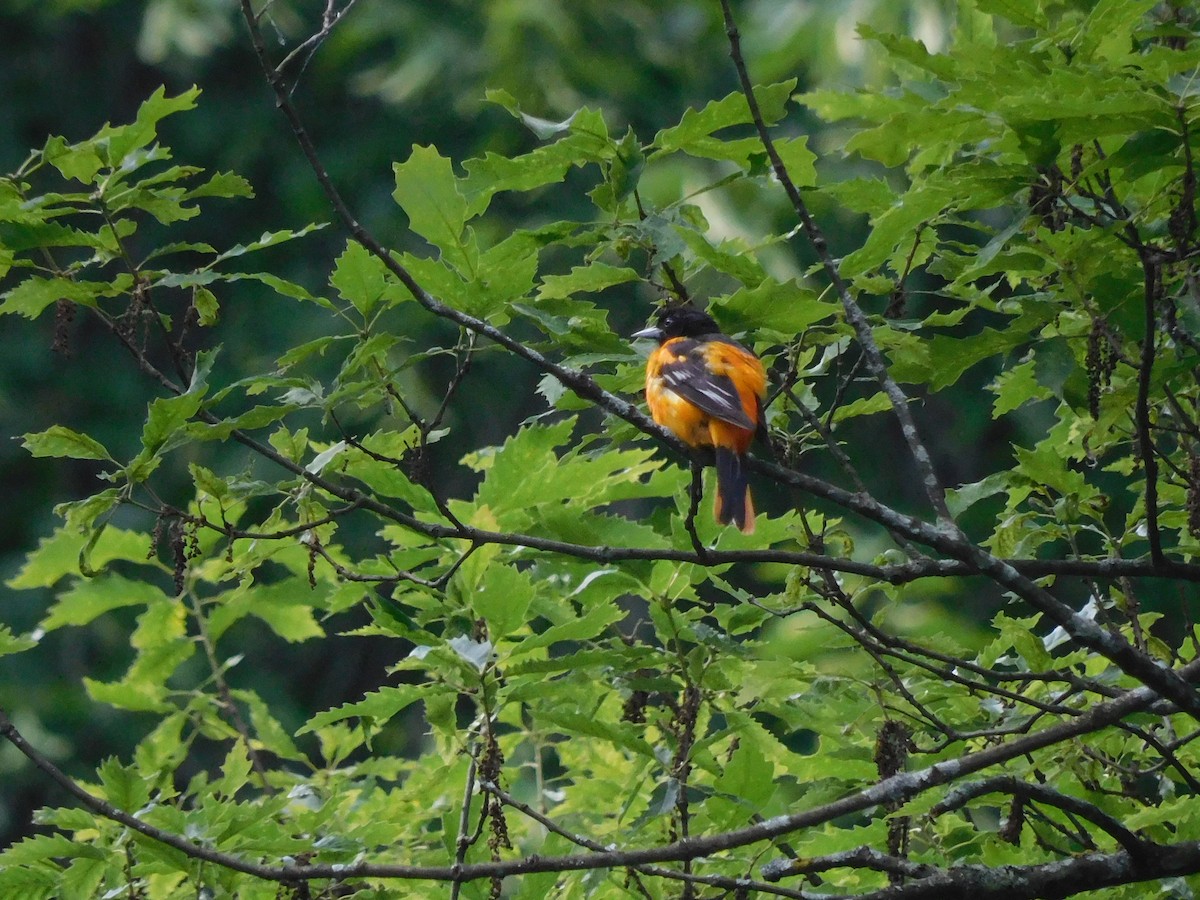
(391,75)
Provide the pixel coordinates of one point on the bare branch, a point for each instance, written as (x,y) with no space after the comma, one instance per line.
(1137,847)
(859,858)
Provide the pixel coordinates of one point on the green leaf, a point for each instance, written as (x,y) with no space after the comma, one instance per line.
(124,786)
(222,184)
(428,192)
(282,287)
(80,162)
(963,498)
(1027,13)
(943,359)
(286,607)
(207,307)
(268,239)
(35,293)
(543,128)
(380,706)
(502,598)
(627,166)
(235,772)
(162,647)
(123,140)
(163,748)
(572,478)
(749,776)
(591,278)
(267,729)
(573,725)
(799,161)
(82,515)
(1017,386)
(11,643)
(360,277)
(60,441)
(89,599)
(582,139)
(45,847)
(583,628)
(164,430)
(785,308)
(141,697)
(692,132)
(58,555)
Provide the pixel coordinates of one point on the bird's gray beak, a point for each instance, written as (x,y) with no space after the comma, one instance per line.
(652,332)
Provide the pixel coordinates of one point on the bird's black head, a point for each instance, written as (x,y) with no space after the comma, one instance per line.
(679,321)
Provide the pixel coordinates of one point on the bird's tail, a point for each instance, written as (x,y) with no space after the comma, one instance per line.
(732,502)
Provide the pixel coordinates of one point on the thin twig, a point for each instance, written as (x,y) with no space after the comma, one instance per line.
(464,841)
(854,314)
(226,695)
(656,871)
(1137,847)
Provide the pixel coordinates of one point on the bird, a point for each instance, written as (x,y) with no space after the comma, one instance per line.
(708,390)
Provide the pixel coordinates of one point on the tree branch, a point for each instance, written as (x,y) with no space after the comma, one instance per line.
(1137,847)
(854,314)
(1167,860)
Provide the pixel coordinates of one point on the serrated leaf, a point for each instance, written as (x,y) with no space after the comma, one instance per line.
(798,160)
(82,515)
(80,161)
(786,308)
(1016,387)
(1027,13)
(60,441)
(502,598)
(359,277)
(48,847)
(584,628)
(35,293)
(124,787)
(267,729)
(695,127)
(268,239)
(428,192)
(11,643)
(163,748)
(285,606)
(585,279)
(207,307)
(381,705)
(574,724)
(282,286)
(942,360)
(124,139)
(88,599)
(235,771)
(58,556)
(222,184)
(964,497)
(165,421)
(748,777)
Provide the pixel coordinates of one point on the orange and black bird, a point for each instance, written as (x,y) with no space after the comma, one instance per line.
(708,389)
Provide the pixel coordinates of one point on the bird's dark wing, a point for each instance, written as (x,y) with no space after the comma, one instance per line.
(689,374)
